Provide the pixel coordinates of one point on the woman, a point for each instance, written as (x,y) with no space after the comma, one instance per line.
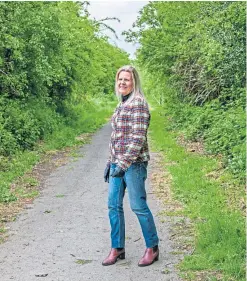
(127,167)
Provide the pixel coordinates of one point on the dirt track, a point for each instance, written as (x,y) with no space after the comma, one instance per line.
(65,234)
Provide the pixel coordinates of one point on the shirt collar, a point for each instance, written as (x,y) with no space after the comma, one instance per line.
(124,98)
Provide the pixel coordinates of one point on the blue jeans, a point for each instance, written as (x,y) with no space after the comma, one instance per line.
(134,180)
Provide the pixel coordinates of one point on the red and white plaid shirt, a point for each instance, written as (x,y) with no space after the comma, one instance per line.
(128,142)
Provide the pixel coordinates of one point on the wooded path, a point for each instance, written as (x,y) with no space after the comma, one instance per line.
(65,234)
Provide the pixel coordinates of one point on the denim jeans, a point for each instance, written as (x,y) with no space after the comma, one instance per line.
(134,180)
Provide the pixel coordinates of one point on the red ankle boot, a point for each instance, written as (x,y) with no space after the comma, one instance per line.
(113,256)
(150,256)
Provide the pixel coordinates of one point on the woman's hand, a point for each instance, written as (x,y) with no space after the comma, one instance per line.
(118,172)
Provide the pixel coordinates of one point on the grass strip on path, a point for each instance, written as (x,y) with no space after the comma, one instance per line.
(219,228)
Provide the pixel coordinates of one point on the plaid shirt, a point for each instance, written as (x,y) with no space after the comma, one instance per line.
(128,142)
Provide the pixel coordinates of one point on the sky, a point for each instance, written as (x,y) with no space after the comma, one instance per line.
(126,11)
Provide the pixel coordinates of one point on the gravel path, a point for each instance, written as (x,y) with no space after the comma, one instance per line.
(64,235)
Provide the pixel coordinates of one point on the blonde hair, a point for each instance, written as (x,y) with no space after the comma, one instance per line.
(136,82)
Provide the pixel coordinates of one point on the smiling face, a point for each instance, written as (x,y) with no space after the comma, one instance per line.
(124,83)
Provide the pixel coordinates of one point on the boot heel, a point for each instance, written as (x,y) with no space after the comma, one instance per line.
(122,256)
(157,258)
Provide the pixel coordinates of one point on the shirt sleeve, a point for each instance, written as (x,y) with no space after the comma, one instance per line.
(140,119)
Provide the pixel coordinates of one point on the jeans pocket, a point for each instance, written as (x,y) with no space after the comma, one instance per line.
(143,170)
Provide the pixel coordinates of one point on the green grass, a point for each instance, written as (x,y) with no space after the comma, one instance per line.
(82,262)
(87,119)
(60,195)
(219,228)
(16,167)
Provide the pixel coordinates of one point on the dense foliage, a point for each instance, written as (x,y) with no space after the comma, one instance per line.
(52,57)
(193,57)
(53,62)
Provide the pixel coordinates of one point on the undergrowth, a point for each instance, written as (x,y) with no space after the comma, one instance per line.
(219,227)
(54,133)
